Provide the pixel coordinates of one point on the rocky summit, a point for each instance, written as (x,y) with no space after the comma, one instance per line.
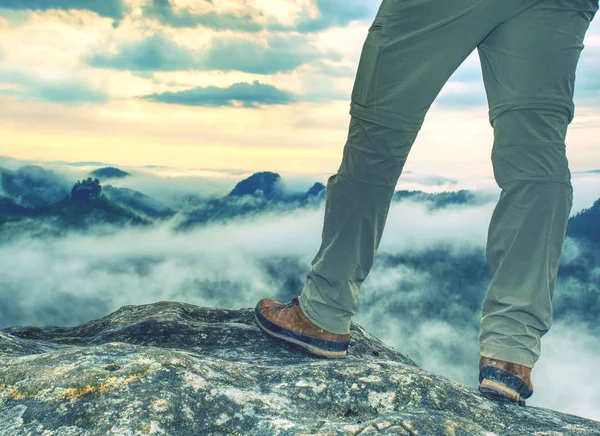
(179,369)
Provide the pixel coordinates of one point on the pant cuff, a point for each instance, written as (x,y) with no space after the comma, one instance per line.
(339,328)
(509,354)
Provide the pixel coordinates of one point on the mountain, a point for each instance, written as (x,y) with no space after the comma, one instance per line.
(64,216)
(69,214)
(261,192)
(33,186)
(585,225)
(84,208)
(440,200)
(180,369)
(316,190)
(264,184)
(137,202)
(31,190)
(109,173)
(10,208)
(79,164)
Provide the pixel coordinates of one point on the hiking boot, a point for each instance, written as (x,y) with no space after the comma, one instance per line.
(504,381)
(288,323)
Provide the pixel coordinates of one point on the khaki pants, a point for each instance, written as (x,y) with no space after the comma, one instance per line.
(529,50)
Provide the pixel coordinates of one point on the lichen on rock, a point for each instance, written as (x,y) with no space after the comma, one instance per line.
(179,369)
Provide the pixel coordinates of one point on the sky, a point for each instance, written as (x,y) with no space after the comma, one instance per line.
(226,85)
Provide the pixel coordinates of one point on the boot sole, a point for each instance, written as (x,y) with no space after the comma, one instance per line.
(311,348)
(497,391)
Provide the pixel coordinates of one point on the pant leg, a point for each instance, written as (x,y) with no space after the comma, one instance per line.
(411,50)
(528,66)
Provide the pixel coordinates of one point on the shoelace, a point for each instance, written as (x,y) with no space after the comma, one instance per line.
(287,306)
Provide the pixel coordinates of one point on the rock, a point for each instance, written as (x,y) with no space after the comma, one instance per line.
(179,369)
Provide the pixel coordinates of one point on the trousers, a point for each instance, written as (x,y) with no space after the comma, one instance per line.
(529,51)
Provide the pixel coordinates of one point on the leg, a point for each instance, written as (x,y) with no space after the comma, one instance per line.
(358,200)
(528,65)
(411,50)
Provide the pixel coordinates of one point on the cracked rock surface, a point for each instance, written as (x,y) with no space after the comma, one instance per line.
(179,369)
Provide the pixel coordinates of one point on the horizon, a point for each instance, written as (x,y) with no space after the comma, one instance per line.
(79,77)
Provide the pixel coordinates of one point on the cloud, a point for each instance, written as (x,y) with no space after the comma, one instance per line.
(423,295)
(330,13)
(157,53)
(334,70)
(248,95)
(33,185)
(338,13)
(70,92)
(164,11)
(283,54)
(106,8)
(63,93)
(460,95)
(464,87)
(563,378)
(587,82)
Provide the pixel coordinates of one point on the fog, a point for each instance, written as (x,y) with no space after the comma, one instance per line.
(412,306)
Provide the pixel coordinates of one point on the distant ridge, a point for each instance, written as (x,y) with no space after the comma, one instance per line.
(584,172)
(262,183)
(584,224)
(109,173)
(315,189)
(75,164)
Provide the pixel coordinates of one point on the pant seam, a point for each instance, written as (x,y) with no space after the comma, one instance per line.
(366,182)
(386,119)
(538,181)
(520,144)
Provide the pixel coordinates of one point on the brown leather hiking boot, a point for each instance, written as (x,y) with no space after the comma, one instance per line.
(505,381)
(287,322)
